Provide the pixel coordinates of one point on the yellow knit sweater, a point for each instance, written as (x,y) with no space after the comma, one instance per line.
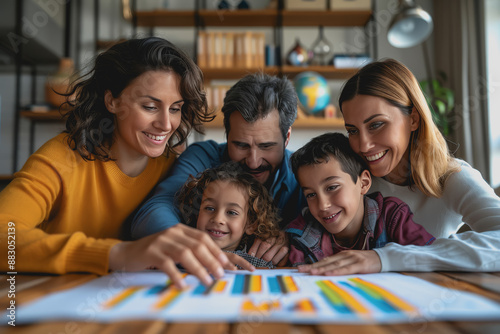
(66,213)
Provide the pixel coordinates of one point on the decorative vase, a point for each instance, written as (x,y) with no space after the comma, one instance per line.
(321,48)
(298,55)
(59,83)
(223,5)
(243,5)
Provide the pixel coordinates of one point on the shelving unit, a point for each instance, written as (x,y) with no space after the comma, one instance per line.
(39,117)
(276,19)
(273,18)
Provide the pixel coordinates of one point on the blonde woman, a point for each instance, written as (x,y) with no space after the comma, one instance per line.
(390,126)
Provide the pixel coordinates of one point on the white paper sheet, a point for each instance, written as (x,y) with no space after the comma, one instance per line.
(264,295)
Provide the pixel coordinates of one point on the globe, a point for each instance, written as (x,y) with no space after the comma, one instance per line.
(313,91)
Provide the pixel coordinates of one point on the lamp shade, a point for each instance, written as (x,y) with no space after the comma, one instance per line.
(410,27)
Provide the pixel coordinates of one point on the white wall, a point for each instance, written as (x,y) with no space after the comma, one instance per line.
(112,26)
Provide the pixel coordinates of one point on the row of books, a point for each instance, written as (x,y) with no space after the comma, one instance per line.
(215,95)
(220,49)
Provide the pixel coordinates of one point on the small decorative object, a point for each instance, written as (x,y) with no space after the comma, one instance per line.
(321,48)
(223,5)
(243,5)
(59,82)
(313,92)
(345,60)
(298,55)
(330,111)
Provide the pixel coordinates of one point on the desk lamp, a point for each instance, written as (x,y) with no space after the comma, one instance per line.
(410,26)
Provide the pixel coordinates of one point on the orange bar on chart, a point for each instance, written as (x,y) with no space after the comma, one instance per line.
(220,286)
(167,298)
(290,284)
(121,296)
(305,305)
(255,283)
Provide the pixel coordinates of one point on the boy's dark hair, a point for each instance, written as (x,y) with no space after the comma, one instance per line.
(329,145)
(262,212)
(256,95)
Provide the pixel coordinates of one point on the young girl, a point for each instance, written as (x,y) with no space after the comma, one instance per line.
(232,207)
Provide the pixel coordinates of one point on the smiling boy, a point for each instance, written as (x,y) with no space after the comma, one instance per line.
(340,216)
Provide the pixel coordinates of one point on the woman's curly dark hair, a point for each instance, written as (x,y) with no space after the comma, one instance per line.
(91,126)
(262,213)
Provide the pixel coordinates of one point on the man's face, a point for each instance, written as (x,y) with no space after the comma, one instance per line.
(259,147)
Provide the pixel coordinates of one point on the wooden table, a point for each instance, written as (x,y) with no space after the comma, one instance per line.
(30,287)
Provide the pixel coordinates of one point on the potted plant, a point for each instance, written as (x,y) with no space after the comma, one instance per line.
(441,101)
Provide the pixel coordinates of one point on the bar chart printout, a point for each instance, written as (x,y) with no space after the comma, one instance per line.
(275,295)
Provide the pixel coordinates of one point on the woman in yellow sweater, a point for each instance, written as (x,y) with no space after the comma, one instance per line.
(65,208)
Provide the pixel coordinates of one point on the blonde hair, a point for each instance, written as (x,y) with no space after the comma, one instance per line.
(430,161)
(262,213)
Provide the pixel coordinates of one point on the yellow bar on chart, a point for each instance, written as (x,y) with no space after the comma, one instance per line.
(265,306)
(290,284)
(167,297)
(220,286)
(255,283)
(121,296)
(350,301)
(305,305)
(248,306)
(393,299)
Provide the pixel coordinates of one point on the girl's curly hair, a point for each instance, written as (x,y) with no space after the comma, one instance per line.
(262,213)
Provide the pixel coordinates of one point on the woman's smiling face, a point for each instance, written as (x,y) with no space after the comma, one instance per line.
(380,133)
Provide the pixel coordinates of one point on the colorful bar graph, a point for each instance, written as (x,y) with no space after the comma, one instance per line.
(283,284)
(217,287)
(122,296)
(167,298)
(333,299)
(381,294)
(341,299)
(245,284)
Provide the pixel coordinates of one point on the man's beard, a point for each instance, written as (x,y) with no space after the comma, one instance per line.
(262,169)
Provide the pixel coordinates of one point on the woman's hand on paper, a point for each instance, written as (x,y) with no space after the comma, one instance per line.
(180,244)
(345,263)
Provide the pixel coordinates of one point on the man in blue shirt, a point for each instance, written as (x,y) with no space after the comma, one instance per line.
(259,111)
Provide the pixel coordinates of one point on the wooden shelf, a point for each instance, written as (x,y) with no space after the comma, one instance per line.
(239,18)
(51,115)
(252,18)
(309,122)
(325,18)
(166,18)
(329,72)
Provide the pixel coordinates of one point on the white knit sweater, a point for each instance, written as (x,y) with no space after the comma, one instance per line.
(467,198)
